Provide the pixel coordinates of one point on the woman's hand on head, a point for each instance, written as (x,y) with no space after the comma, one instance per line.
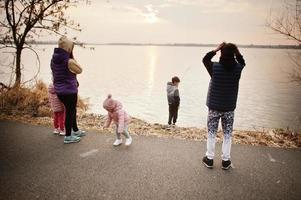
(236,52)
(220,46)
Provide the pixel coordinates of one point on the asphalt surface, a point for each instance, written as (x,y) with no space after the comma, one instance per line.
(35,164)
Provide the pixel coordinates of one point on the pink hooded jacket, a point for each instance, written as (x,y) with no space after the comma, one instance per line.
(115,114)
(55,104)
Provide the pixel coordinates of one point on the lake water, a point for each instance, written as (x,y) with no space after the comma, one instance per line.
(137,76)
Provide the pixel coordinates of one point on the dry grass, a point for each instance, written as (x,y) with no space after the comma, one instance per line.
(29,101)
(268,137)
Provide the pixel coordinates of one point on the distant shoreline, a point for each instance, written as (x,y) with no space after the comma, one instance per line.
(298,47)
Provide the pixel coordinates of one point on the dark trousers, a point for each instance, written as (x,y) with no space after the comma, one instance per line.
(69,101)
(173,113)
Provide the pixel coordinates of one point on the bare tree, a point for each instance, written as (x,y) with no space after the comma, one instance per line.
(288,24)
(25,20)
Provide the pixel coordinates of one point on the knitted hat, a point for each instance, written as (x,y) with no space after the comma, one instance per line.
(109,103)
(66,44)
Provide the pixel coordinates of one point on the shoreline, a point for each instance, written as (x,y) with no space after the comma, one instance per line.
(92,45)
(94,122)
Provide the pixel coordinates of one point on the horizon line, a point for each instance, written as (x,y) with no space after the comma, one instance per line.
(174,44)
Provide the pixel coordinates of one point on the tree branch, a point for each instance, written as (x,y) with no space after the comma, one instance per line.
(8,17)
(39,16)
(13,12)
(288,34)
(21,14)
(50,30)
(39,66)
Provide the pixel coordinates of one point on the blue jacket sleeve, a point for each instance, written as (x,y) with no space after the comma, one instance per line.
(207,61)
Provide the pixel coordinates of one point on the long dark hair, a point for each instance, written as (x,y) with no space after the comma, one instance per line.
(228,50)
(227,59)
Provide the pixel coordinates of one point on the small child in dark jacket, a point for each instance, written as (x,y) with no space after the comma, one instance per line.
(173,98)
(222,98)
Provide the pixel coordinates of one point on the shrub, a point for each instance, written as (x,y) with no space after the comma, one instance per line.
(32,101)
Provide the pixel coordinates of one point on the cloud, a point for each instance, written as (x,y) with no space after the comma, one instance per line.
(174,20)
(151,16)
(183,2)
(147,12)
(150,8)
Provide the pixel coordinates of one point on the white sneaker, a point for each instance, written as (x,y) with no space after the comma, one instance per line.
(128,141)
(56,131)
(117,142)
(62,133)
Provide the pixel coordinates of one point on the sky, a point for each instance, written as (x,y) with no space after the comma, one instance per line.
(178,21)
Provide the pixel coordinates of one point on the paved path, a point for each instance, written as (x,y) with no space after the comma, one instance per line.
(35,164)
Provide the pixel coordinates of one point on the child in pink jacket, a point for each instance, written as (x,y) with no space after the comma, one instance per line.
(120,118)
(58,110)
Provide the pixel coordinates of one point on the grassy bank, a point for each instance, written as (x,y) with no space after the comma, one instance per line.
(30,105)
(30,101)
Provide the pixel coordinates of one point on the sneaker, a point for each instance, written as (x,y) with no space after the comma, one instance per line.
(128,141)
(71,139)
(62,133)
(79,133)
(117,142)
(208,162)
(56,131)
(226,164)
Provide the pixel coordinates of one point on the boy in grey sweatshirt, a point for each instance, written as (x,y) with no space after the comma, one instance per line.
(173,98)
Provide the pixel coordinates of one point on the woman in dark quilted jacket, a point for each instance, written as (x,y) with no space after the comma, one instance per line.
(222,98)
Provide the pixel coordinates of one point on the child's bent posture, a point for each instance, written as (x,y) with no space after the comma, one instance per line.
(120,118)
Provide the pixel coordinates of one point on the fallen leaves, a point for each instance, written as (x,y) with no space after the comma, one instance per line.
(92,122)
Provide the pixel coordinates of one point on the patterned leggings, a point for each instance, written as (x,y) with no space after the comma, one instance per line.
(227,119)
(125,132)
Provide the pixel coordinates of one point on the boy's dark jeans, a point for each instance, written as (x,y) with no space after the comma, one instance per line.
(69,101)
(173,113)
